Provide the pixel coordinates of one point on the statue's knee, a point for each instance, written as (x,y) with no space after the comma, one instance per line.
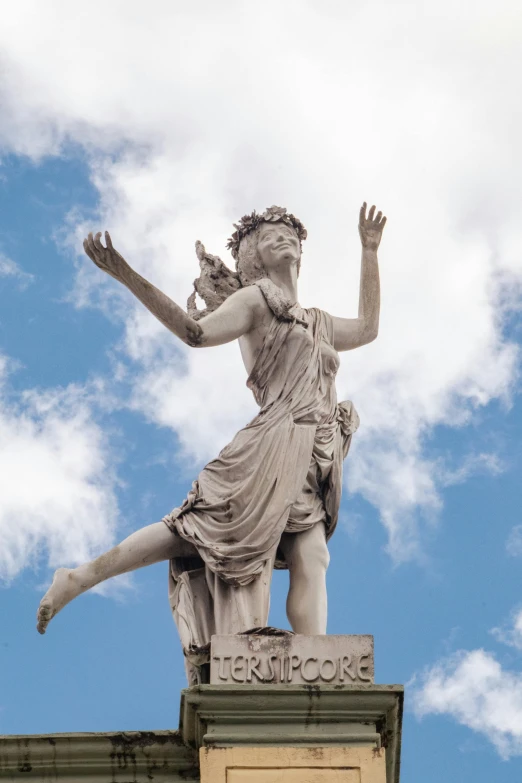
(312,560)
(322,557)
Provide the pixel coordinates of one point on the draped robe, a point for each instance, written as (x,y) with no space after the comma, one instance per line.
(280,473)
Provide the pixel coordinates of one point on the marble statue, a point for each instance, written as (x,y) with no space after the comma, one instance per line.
(271,497)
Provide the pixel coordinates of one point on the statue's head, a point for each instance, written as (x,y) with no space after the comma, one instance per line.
(264,242)
(260,244)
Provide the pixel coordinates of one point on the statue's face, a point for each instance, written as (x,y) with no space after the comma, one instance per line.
(277,245)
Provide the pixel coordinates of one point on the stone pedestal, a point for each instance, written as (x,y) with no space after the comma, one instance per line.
(280,708)
(294,733)
(241,734)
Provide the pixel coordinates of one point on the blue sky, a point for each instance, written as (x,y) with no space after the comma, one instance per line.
(105,421)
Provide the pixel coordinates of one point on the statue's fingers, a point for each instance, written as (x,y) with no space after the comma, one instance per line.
(90,240)
(97,244)
(378,216)
(90,243)
(108,241)
(88,250)
(362,213)
(371,212)
(382,223)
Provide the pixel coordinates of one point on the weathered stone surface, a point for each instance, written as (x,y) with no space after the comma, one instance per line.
(140,756)
(291,659)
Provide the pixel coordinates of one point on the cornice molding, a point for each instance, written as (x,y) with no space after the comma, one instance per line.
(117,757)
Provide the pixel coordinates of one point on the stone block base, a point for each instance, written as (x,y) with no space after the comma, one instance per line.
(292,765)
(294,733)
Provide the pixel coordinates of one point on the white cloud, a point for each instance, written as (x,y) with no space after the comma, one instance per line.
(192,116)
(9,268)
(57,502)
(514,542)
(511,633)
(475,690)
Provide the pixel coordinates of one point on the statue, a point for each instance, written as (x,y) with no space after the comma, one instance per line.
(271,497)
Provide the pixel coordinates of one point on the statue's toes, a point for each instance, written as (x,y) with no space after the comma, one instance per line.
(44,616)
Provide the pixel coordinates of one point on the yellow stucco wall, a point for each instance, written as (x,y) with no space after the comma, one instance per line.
(292,765)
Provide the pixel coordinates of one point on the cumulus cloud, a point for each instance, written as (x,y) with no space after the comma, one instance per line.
(473,688)
(57,503)
(315,106)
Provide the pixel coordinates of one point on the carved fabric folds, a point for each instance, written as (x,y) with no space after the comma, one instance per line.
(282,472)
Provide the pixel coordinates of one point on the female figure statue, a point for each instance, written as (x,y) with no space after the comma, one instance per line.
(271,497)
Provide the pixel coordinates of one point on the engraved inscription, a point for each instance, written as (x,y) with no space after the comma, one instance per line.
(253,668)
(320,660)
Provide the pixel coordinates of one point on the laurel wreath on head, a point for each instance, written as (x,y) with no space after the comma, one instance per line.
(249,223)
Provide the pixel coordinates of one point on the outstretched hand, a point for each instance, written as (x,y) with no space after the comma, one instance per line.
(370,228)
(106,258)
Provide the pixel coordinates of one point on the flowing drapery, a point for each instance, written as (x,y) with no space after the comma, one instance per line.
(282,472)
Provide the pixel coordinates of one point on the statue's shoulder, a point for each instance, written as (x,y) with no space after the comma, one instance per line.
(252,298)
(250,295)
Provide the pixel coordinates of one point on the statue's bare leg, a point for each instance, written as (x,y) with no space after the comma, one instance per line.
(307,556)
(151,544)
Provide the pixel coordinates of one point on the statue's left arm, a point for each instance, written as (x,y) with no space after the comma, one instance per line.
(351,333)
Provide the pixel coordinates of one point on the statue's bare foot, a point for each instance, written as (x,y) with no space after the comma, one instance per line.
(63,589)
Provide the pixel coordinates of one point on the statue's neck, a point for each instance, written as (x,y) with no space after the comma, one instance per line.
(286,280)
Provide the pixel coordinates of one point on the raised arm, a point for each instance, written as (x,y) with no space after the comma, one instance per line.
(232,319)
(353,332)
